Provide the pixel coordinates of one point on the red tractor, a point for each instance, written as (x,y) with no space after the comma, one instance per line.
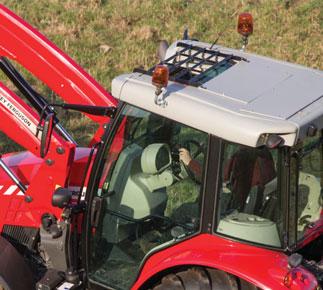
(206,171)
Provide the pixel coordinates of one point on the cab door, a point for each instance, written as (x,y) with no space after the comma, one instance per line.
(142,197)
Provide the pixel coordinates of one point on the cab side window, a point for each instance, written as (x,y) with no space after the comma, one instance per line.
(310,190)
(249,199)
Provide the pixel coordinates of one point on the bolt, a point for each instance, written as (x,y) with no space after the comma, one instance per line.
(28,199)
(60,150)
(49,162)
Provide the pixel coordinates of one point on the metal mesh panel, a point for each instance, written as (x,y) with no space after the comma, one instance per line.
(20,237)
(194,65)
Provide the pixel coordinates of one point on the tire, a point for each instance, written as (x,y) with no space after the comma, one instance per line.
(14,273)
(198,278)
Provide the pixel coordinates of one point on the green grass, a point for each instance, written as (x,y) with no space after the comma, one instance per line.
(110,37)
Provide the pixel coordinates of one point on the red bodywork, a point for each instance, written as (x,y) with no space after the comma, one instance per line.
(264,268)
(23,44)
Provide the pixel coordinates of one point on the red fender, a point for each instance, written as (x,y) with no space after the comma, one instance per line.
(264,268)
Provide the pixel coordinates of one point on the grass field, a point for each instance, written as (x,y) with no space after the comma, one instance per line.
(109,37)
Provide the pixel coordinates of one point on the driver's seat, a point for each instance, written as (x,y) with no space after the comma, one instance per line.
(140,191)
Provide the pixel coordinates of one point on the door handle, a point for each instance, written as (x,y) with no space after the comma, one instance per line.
(96,209)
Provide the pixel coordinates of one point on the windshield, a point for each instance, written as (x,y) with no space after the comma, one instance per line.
(150,193)
(249,203)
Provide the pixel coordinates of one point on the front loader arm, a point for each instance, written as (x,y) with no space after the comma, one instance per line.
(19,122)
(22,43)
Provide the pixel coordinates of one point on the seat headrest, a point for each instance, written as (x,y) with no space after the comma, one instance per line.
(155,158)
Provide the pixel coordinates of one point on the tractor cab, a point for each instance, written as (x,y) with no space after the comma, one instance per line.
(210,141)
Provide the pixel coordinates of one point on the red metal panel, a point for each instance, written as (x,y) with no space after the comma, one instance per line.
(19,122)
(264,268)
(42,177)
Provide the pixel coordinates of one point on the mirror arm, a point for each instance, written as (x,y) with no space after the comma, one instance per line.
(92,110)
(46,136)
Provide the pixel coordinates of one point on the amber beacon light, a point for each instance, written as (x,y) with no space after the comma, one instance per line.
(245,27)
(245,24)
(160,76)
(160,80)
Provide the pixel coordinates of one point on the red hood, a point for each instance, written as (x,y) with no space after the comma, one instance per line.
(25,165)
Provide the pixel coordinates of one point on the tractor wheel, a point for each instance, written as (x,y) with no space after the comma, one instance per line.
(198,278)
(14,273)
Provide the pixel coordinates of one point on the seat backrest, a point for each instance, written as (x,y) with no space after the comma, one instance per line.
(140,190)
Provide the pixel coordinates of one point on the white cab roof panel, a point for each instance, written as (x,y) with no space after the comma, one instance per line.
(257,95)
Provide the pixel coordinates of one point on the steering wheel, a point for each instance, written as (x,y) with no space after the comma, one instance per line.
(176,163)
(199,147)
(179,167)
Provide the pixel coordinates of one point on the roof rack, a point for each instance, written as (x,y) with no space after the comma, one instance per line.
(194,65)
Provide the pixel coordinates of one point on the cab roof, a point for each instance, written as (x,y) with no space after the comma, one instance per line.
(235,95)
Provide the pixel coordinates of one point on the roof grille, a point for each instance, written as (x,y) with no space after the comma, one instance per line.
(194,65)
